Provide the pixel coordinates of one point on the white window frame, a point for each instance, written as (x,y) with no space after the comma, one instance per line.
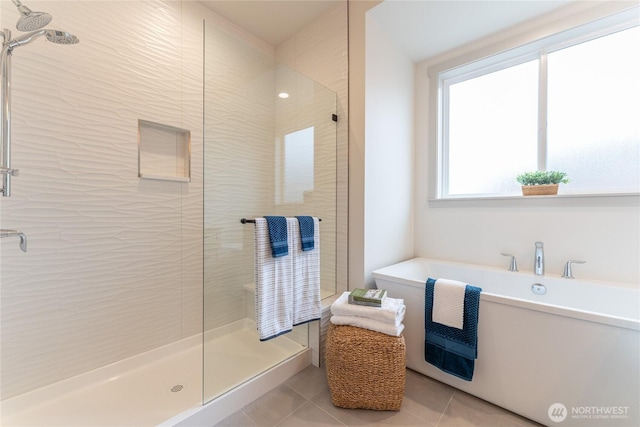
(495,58)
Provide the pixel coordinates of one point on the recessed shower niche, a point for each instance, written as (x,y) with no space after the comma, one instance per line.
(164,152)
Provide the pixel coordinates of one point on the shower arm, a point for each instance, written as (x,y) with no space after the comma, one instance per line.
(21,8)
(24,39)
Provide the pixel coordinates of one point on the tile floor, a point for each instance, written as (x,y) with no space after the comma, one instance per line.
(304,400)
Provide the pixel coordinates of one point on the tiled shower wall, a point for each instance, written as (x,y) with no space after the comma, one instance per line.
(114,264)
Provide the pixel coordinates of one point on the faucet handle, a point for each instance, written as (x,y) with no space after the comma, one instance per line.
(568,273)
(513,265)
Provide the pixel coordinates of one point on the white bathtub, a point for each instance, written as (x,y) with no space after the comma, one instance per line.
(573,352)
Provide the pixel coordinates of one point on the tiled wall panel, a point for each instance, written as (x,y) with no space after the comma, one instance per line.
(319,51)
(114,262)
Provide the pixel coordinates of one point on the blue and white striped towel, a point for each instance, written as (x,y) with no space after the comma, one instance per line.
(306,275)
(274,285)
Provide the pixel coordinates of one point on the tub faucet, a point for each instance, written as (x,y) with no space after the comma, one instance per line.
(513,265)
(568,274)
(538,264)
(11,233)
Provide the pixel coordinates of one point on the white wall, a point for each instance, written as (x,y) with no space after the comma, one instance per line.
(357,28)
(603,231)
(380,151)
(388,190)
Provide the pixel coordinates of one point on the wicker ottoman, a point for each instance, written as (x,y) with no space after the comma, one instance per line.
(365,369)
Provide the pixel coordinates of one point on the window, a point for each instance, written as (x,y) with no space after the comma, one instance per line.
(564,103)
(296,171)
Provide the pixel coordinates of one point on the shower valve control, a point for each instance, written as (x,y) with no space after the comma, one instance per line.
(538,289)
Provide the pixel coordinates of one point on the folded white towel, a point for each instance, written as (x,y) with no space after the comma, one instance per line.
(392,310)
(448,303)
(372,325)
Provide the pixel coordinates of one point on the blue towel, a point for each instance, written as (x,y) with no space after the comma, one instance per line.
(277,226)
(306,232)
(450,349)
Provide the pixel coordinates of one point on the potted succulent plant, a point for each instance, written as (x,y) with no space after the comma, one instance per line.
(541,183)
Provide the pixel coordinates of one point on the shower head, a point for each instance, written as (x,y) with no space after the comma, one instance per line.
(30,20)
(33,21)
(60,37)
(55,36)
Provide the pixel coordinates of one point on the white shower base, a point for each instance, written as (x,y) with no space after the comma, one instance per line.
(162,386)
(234,353)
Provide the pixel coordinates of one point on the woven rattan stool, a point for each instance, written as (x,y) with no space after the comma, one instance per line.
(365,369)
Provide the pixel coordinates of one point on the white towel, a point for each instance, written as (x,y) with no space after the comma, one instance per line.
(306,274)
(274,285)
(448,303)
(372,325)
(392,310)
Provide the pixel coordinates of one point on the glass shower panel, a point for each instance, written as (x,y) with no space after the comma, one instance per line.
(244,159)
(306,160)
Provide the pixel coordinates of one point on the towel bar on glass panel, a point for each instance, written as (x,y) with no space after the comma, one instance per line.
(253,221)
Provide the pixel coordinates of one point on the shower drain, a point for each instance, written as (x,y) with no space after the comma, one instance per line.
(176,388)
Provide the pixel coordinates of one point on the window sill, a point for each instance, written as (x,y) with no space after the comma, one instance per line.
(617,199)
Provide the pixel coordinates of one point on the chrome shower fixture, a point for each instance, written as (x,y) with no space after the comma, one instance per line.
(54,36)
(30,20)
(61,37)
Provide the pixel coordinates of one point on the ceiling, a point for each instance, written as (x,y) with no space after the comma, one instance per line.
(420,28)
(424,29)
(272,21)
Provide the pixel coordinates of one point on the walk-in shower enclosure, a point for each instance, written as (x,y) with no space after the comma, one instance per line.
(140,149)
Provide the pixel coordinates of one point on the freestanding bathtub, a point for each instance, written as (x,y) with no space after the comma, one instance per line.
(568,357)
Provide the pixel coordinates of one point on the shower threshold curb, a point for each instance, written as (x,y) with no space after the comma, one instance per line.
(231,402)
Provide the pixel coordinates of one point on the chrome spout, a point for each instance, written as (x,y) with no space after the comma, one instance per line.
(538,264)
(12,233)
